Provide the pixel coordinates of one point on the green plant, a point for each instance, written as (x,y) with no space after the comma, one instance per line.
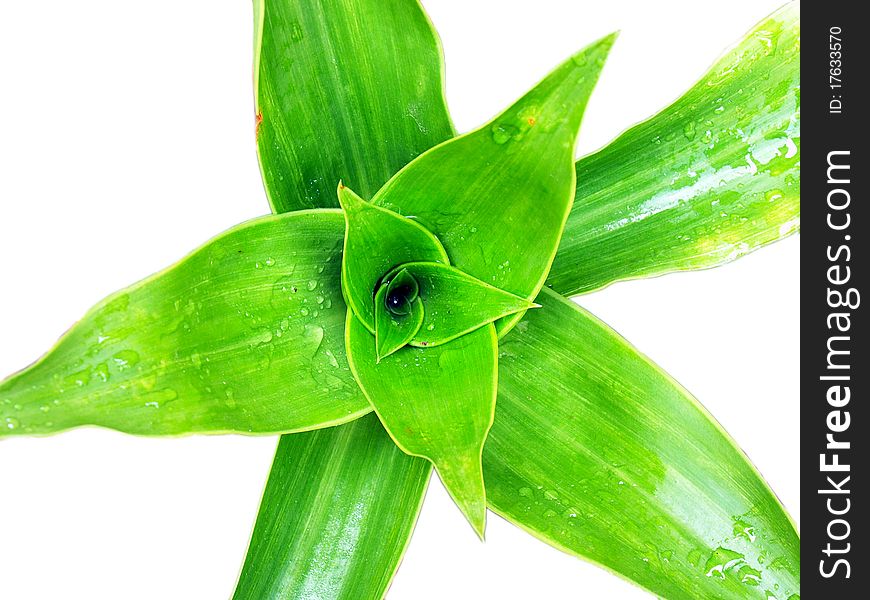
(354,306)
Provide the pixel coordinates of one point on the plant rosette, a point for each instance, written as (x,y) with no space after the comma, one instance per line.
(406,308)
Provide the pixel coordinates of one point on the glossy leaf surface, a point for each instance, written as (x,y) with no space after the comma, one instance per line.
(497,198)
(246,334)
(378,240)
(436,403)
(710,178)
(598,452)
(335,517)
(366,136)
(345,89)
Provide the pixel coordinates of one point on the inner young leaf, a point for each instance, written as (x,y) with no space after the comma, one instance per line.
(377,240)
(454,302)
(398,314)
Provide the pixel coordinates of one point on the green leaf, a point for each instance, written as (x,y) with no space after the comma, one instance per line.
(244,335)
(376,241)
(710,178)
(336,515)
(497,198)
(455,303)
(345,89)
(395,329)
(436,403)
(598,452)
(385,100)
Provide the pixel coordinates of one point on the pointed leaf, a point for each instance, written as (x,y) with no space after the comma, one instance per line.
(710,178)
(246,335)
(455,303)
(378,240)
(369,133)
(345,89)
(497,198)
(392,330)
(436,403)
(598,452)
(336,515)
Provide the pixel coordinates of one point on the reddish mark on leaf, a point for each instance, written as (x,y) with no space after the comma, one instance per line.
(258,119)
(531,121)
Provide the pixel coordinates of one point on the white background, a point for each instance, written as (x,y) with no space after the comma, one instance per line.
(126,140)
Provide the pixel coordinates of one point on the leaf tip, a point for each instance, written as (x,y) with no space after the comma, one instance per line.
(596,52)
(347,198)
(463,480)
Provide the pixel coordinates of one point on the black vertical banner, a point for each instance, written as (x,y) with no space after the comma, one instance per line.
(835,369)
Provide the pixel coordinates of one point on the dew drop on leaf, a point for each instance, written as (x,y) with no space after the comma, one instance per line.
(689,130)
(126,358)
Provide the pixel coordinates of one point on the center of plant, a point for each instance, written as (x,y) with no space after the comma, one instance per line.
(401,292)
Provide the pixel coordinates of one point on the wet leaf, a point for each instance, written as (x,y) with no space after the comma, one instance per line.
(497,198)
(244,335)
(345,89)
(436,403)
(598,452)
(336,515)
(385,92)
(710,178)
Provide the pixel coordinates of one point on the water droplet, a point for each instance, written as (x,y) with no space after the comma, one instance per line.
(102,372)
(269,262)
(721,561)
(331,358)
(126,358)
(155,399)
(503,132)
(296,33)
(312,285)
(78,379)
(11,423)
(749,576)
(689,130)
(313,335)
